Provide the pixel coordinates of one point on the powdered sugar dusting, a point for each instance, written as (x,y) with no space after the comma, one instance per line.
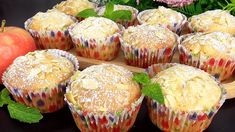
(97,28)
(149,36)
(113,88)
(162,15)
(215,44)
(39,69)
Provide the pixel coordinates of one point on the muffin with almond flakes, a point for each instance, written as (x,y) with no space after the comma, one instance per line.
(211,21)
(104,98)
(39,78)
(191,98)
(144,45)
(212,52)
(166,17)
(73,7)
(50,29)
(96,37)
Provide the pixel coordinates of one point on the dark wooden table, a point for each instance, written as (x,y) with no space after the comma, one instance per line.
(16,12)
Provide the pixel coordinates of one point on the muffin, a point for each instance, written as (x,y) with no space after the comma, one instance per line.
(96,37)
(104,98)
(191,98)
(144,45)
(212,52)
(50,29)
(166,17)
(176,3)
(214,20)
(39,78)
(125,23)
(73,7)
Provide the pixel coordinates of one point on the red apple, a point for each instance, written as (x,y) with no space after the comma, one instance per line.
(14,42)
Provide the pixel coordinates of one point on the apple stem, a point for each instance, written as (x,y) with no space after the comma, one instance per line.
(3,26)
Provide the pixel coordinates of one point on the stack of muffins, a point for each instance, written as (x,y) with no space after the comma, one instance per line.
(105,97)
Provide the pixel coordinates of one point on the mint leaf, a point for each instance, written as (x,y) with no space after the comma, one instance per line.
(154,91)
(5,97)
(141,78)
(108,9)
(23,113)
(125,1)
(121,15)
(87,13)
(19,111)
(1,102)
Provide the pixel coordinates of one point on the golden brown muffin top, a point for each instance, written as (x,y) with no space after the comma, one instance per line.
(50,20)
(97,28)
(162,16)
(214,20)
(186,88)
(38,70)
(215,44)
(73,7)
(149,36)
(103,88)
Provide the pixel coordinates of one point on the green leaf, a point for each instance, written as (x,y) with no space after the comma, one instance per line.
(5,97)
(141,78)
(23,113)
(233,1)
(87,13)
(154,91)
(125,1)
(121,15)
(108,9)
(1,103)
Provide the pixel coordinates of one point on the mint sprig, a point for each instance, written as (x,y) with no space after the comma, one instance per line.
(87,13)
(5,98)
(153,90)
(19,111)
(108,13)
(23,113)
(141,78)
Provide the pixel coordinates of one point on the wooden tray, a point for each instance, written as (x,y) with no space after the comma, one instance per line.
(86,62)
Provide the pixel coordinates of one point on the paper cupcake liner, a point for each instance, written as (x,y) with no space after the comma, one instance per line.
(125,23)
(55,39)
(106,50)
(168,119)
(220,68)
(46,100)
(176,3)
(106,122)
(190,27)
(176,27)
(146,57)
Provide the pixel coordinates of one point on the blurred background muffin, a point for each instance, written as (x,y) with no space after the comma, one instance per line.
(166,17)
(213,52)
(73,7)
(144,45)
(39,78)
(50,29)
(104,98)
(191,98)
(125,23)
(176,3)
(96,37)
(214,20)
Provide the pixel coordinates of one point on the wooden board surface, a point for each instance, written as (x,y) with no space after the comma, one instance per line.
(86,62)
